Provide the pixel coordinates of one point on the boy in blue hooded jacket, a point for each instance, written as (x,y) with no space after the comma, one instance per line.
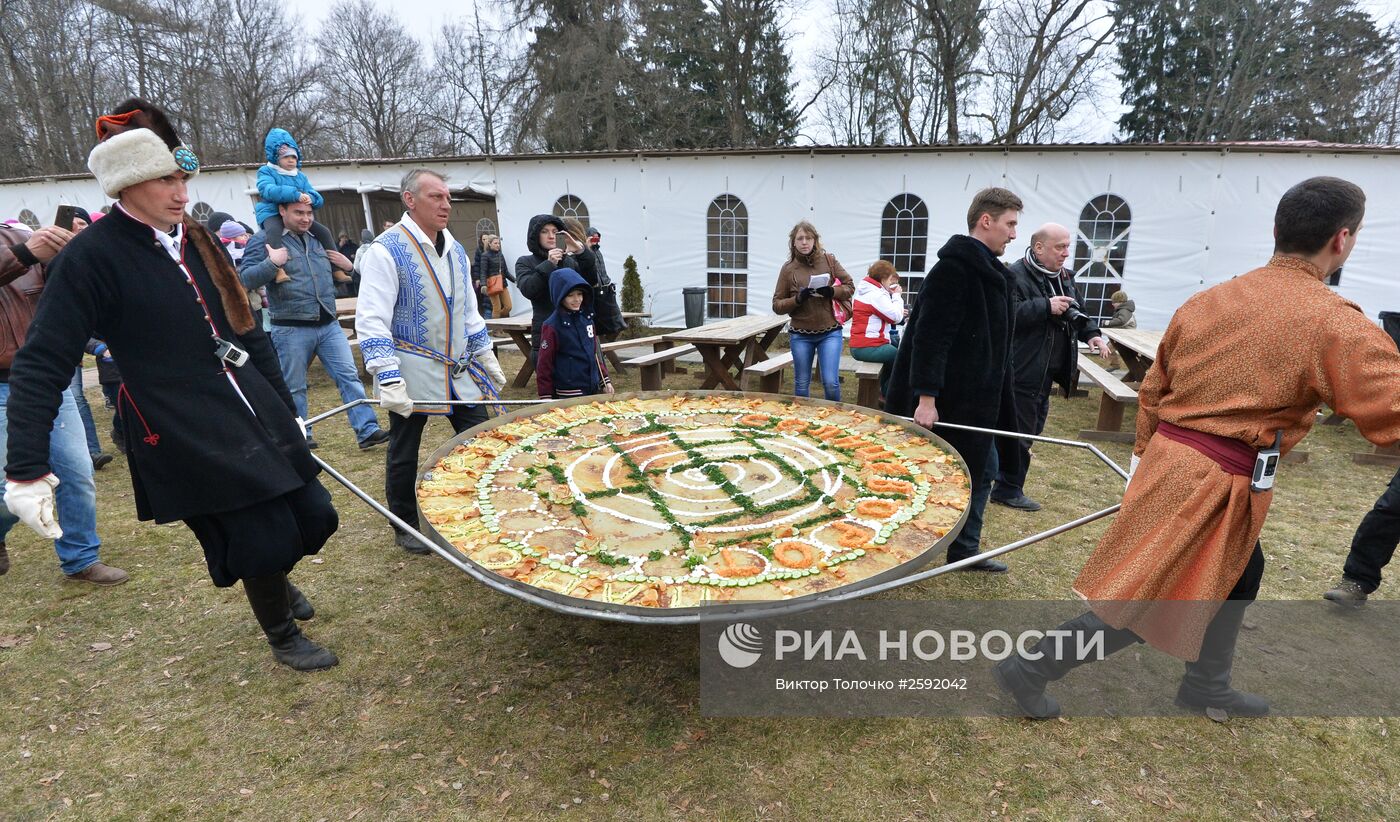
(570,363)
(282,181)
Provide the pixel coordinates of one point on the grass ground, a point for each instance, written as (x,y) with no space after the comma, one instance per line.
(159,699)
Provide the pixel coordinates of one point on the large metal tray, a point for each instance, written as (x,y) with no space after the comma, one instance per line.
(693,614)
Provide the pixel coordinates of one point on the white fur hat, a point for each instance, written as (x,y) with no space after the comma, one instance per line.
(136,156)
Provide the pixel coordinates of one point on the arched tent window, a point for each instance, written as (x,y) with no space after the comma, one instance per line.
(201,212)
(727,257)
(27,217)
(571,206)
(904,240)
(1100,251)
(484,226)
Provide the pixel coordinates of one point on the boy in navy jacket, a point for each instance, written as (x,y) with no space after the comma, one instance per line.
(570,364)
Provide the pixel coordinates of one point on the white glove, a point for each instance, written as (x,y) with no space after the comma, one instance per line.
(33,503)
(1132,469)
(486,358)
(393,397)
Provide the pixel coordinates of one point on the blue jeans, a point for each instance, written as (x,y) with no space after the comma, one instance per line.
(75,499)
(827,348)
(297,344)
(89,430)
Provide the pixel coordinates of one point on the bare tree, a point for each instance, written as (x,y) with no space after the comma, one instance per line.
(1043,58)
(949,44)
(482,71)
(373,82)
(260,87)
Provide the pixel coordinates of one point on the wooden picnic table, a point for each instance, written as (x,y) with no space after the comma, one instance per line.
(612,356)
(730,346)
(518,329)
(1138,347)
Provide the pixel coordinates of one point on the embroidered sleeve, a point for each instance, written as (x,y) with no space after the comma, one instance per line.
(374,310)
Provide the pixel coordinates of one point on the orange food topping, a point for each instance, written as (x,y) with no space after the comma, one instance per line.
(852,535)
(889,468)
(756,420)
(878,508)
(795,554)
(729,567)
(881,485)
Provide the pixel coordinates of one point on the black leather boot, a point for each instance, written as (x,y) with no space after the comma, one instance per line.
(1206,684)
(1025,679)
(272,606)
(301,606)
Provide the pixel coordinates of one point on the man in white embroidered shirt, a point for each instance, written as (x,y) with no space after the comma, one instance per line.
(421,334)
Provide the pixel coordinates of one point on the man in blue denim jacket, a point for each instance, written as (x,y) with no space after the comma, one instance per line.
(304,323)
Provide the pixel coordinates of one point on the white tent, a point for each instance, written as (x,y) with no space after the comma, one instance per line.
(1160,222)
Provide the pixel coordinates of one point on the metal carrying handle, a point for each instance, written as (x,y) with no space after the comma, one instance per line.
(719,611)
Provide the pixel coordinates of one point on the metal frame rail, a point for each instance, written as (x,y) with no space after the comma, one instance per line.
(719,612)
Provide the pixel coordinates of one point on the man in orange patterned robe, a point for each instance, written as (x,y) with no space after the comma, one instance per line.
(1240,363)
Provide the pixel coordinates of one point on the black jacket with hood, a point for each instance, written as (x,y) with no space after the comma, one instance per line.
(532,272)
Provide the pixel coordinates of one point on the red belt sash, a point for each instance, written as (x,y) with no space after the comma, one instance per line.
(1233,456)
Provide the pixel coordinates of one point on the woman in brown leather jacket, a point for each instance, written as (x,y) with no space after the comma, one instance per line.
(813,331)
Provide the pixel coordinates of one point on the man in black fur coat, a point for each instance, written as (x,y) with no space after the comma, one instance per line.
(212,434)
(954,361)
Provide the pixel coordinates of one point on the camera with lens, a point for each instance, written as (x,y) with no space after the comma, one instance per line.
(1075,318)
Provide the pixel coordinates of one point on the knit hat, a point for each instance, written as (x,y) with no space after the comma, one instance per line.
(284,149)
(231,230)
(366,236)
(593,232)
(1119,297)
(137,144)
(81,213)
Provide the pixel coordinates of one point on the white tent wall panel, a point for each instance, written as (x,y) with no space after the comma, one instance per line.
(1198,217)
(851,192)
(1248,192)
(1170,211)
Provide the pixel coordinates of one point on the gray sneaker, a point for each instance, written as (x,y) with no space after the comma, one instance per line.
(1348,593)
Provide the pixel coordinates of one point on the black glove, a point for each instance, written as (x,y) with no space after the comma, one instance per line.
(826,291)
(803,295)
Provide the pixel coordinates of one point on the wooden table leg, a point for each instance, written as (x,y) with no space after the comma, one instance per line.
(1110,423)
(1136,364)
(718,367)
(613,359)
(522,342)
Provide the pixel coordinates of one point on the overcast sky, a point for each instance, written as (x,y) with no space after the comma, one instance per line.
(804,24)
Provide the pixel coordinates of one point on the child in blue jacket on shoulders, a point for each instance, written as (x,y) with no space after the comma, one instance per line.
(570,363)
(282,181)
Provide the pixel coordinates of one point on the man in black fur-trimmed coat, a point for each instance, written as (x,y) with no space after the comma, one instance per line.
(212,432)
(954,361)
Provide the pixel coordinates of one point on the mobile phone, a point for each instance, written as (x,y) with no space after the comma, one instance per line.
(561,240)
(64,217)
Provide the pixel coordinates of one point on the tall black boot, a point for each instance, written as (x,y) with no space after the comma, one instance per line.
(272,606)
(301,606)
(1207,680)
(1025,679)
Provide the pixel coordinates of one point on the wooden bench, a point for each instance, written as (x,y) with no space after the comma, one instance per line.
(868,384)
(653,366)
(657,343)
(1116,396)
(768,373)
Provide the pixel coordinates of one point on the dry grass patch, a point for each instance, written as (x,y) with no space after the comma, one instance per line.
(159,699)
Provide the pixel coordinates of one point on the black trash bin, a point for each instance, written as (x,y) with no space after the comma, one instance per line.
(1390,321)
(694,306)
